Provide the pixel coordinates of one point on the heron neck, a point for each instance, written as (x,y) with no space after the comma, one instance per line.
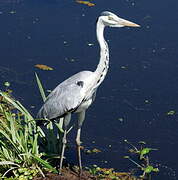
(103,65)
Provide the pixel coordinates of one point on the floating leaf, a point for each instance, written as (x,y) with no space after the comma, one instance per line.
(12,12)
(121,119)
(172,112)
(43,67)
(148,169)
(86,3)
(70,60)
(146,101)
(155,170)
(7,84)
(95,150)
(90,44)
(123,67)
(145,151)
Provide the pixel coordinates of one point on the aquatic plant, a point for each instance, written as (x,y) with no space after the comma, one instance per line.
(19,134)
(142,153)
(110,174)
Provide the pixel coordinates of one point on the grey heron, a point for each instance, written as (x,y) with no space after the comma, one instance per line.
(76,94)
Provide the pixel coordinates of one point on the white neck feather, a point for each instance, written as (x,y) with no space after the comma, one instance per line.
(103,65)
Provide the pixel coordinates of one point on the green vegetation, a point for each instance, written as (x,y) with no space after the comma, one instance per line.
(110,174)
(26,149)
(143,155)
(143,166)
(21,155)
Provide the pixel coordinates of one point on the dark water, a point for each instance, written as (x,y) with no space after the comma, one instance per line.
(139,90)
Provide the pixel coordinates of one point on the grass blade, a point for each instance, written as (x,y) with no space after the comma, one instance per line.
(41,89)
(45,163)
(16,105)
(2,163)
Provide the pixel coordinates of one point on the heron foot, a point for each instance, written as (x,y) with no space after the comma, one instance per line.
(59,172)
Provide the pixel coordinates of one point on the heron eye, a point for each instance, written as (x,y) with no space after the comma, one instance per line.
(110,18)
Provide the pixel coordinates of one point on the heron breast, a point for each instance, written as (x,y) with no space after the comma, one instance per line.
(84,105)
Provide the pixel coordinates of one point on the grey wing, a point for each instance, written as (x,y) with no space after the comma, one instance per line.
(66,97)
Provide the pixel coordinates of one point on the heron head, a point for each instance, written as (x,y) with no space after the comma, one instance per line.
(112,20)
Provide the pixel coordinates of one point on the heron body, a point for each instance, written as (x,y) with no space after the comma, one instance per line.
(69,96)
(77,93)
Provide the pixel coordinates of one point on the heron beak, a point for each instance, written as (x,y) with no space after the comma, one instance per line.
(128,23)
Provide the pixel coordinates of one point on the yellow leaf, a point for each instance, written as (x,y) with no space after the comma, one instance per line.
(43,67)
(86,3)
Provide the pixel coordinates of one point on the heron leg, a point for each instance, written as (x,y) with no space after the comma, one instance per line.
(81,117)
(67,119)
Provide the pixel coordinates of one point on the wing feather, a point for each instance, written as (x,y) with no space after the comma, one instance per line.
(66,97)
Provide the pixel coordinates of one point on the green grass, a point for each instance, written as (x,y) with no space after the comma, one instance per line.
(20,141)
